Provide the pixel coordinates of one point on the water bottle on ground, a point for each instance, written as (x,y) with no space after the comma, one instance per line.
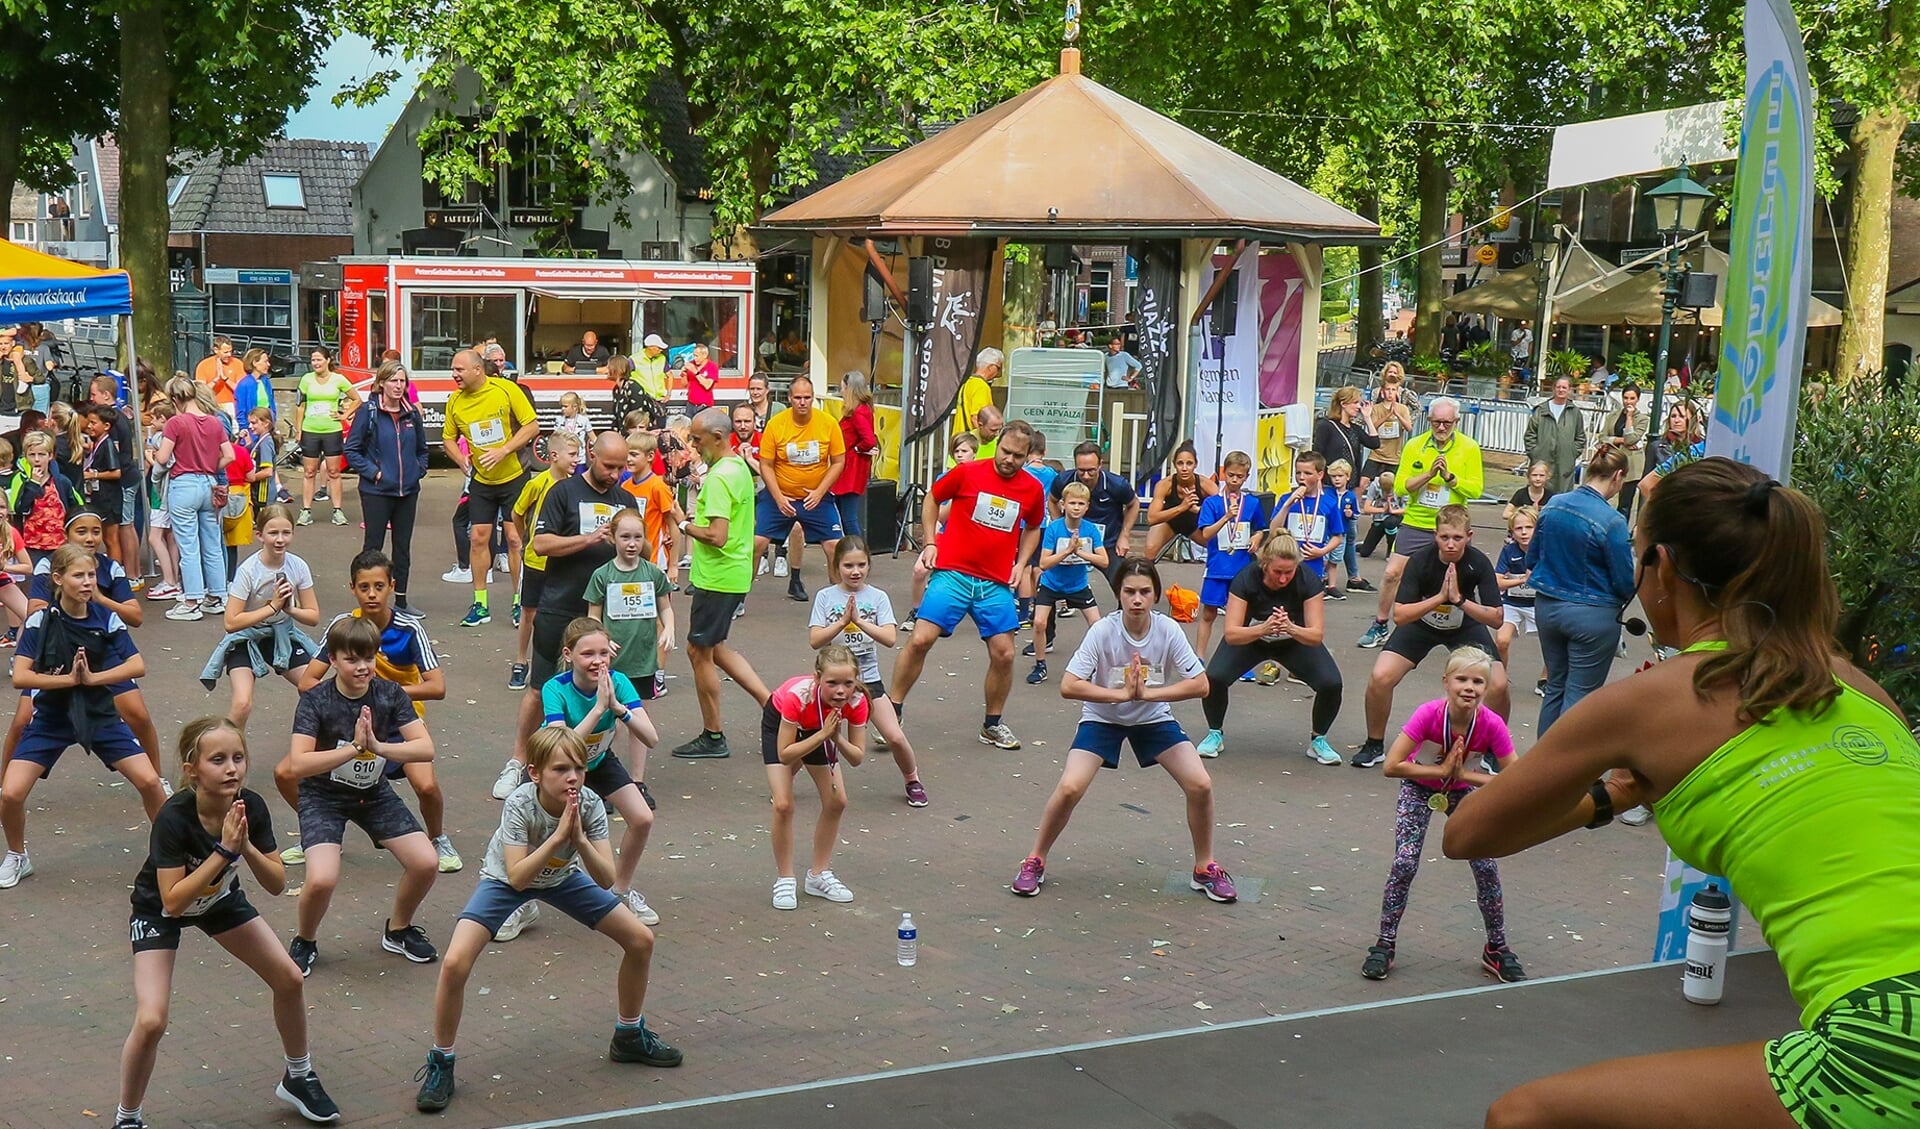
(1709,920)
(910,942)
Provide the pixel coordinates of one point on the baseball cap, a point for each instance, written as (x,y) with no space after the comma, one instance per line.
(653,341)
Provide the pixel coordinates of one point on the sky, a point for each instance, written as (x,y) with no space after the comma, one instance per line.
(350,59)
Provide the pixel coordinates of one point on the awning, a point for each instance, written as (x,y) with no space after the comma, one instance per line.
(1637,299)
(37,287)
(1516,293)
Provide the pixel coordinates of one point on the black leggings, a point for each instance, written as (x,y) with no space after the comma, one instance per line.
(463,535)
(1312,665)
(381,511)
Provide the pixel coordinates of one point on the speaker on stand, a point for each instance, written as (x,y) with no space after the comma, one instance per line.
(1223,313)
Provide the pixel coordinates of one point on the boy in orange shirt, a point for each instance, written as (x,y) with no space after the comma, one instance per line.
(658,510)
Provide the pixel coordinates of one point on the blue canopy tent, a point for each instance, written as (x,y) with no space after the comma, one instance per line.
(37,287)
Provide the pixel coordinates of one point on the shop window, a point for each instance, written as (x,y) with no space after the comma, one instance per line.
(252,307)
(687,321)
(443,324)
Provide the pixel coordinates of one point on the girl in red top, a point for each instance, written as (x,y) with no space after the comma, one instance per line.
(42,498)
(856,426)
(815,721)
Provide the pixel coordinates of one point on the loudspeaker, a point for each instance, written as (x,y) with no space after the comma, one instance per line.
(877,518)
(874,305)
(1696,290)
(1059,256)
(1226,307)
(920,290)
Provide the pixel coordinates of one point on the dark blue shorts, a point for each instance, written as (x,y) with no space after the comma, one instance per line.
(577,896)
(821,523)
(1102,739)
(47,738)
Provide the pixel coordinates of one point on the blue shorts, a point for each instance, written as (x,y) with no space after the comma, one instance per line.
(1102,739)
(577,896)
(1213,591)
(952,596)
(821,523)
(47,738)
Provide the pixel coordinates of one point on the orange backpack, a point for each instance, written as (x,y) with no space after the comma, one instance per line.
(1182,603)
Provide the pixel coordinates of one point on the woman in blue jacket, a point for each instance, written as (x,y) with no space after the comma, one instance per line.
(1582,564)
(387,448)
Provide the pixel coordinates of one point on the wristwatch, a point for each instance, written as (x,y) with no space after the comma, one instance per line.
(1602,805)
(221,850)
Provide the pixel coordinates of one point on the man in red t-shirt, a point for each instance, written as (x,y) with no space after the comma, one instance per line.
(995,519)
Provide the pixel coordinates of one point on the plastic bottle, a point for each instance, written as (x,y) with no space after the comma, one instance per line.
(910,941)
(1709,919)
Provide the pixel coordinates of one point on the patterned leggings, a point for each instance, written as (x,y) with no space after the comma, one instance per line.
(1409,836)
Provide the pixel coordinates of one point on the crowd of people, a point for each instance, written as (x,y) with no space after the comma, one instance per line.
(1727,564)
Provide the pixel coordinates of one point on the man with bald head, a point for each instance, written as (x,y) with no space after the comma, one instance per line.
(496,420)
(802,452)
(721,540)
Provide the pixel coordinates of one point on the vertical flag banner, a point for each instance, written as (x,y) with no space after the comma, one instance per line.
(1157,328)
(943,354)
(1229,401)
(1769,287)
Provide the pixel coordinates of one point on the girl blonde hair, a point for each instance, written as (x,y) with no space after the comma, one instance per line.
(1468,658)
(68,420)
(193,733)
(184,390)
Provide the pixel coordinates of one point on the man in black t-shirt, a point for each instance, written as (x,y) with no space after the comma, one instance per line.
(588,356)
(1448,597)
(1112,504)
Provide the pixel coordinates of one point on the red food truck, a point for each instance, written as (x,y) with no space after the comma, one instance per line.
(430,307)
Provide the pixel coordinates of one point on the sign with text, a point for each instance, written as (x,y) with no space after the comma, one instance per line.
(1228,414)
(1053,389)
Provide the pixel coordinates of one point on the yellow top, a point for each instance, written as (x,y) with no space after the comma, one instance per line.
(800,453)
(532,496)
(487,419)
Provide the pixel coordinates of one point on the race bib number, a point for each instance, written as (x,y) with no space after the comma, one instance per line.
(600,743)
(991,511)
(804,454)
(1237,535)
(1309,528)
(209,895)
(1433,497)
(363,771)
(641,505)
(1117,675)
(632,601)
(553,870)
(487,432)
(595,515)
(1446,617)
(1390,430)
(1077,557)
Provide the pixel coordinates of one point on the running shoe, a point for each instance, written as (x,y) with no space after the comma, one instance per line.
(1028,651)
(13,868)
(515,614)
(450,860)
(1375,635)
(410,942)
(999,736)
(1540,688)
(1502,965)
(637,902)
(1320,751)
(477,614)
(304,954)
(305,518)
(186,611)
(134,1122)
(322,495)
(1334,594)
(212,603)
(1037,675)
(916,794)
(339,517)
(527,914)
(1032,876)
(164,592)
(166,788)
(1636,816)
(796,591)
(1372,754)
(1212,744)
(913,618)
(1247,677)
(436,1083)
(1267,673)
(761,568)
(294,855)
(740,609)
(659,683)
(11,638)
(512,775)
(1379,962)
(517,672)
(308,1097)
(136,584)
(499,562)
(1217,884)
(780,567)
(457,575)
(637,1044)
(783,893)
(705,746)
(646,795)
(1359,584)
(825,885)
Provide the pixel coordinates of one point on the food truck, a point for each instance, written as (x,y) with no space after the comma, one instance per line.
(431,307)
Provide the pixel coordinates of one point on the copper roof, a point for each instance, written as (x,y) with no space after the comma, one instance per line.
(1069,160)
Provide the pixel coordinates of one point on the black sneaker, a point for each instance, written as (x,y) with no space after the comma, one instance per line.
(411,943)
(646,795)
(638,1044)
(1360,584)
(135,1122)
(1334,594)
(436,1083)
(796,591)
(307,1096)
(706,746)
(1379,962)
(304,953)
(1540,688)
(1502,965)
(1372,754)
(1038,675)
(1027,651)
(517,676)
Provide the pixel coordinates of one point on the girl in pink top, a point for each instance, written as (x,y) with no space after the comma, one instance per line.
(815,722)
(1461,729)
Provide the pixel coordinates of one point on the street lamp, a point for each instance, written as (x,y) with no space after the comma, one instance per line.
(1677,207)
(1546,252)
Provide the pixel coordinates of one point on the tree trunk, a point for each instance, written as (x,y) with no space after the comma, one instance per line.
(1026,286)
(10,160)
(1368,327)
(1430,171)
(145,137)
(1875,141)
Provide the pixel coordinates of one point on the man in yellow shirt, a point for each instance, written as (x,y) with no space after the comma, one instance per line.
(495,420)
(976,391)
(802,452)
(650,366)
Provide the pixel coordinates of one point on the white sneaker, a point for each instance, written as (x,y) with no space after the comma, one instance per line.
(450,860)
(1636,816)
(825,885)
(512,775)
(527,914)
(499,564)
(458,575)
(166,787)
(782,891)
(761,568)
(780,566)
(186,610)
(17,866)
(637,902)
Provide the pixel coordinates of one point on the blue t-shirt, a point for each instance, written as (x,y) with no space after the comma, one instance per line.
(110,580)
(1069,575)
(1314,522)
(1044,473)
(1513,562)
(566,704)
(120,646)
(1225,562)
(1349,509)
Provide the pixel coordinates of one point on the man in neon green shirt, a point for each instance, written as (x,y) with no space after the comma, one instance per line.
(721,535)
(1439,467)
(650,366)
(976,391)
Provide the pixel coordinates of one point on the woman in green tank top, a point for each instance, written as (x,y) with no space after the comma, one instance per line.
(327,401)
(1766,757)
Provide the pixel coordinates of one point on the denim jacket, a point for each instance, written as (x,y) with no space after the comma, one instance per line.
(1581,552)
(269,648)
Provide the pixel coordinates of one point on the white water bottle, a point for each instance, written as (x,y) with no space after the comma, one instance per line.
(910,941)
(1709,919)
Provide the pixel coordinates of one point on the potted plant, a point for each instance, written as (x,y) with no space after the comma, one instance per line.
(1634,368)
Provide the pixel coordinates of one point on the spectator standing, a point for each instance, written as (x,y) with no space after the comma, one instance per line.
(863,446)
(1347,431)
(1520,348)
(1556,435)
(650,366)
(976,391)
(702,375)
(1582,565)
(1627,430)
(195,450)
(387,449)
(40,345)
(221,372)
(1123,368)
(327,401)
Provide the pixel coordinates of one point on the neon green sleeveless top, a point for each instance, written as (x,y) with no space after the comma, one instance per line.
(1816,823)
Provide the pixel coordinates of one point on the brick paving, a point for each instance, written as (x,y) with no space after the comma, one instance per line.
(754,996)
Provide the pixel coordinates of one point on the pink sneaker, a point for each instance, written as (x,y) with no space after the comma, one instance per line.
(1033,874)
(1217,883)
(916,794)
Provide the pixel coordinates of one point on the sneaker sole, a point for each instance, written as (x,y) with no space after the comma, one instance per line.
(829,897)
(452,866)
(506,935)
(432,1105)
(1033,893)
(995,744)
(1494,972)
(913,803)
(25,872)
(702,755)
(481,622)
(1383,975)
(1211,896)
(288,858)
(1318,759)
(393,946)
(646,1060)
(288,1097)
(795,905)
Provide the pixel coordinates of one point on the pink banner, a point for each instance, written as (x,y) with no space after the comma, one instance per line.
(1283,291)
